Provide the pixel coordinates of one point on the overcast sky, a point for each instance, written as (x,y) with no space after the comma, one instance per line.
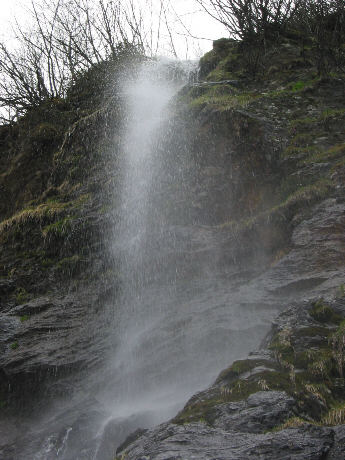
(199,24)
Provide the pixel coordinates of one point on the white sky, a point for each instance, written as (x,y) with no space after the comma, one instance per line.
(199,24)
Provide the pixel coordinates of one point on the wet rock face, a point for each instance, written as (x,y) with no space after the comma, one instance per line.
(200,441)
(45,339)
(229,165)
(338,449)
(259,413)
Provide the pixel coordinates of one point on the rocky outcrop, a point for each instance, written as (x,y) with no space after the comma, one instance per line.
(270,404)
(203,442)
(255,195)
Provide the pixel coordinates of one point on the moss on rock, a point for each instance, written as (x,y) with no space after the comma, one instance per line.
(323,313)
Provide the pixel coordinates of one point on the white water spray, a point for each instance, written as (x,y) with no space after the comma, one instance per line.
(139,238)
(173,334)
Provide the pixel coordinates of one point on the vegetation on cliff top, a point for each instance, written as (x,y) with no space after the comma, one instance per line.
(316,26)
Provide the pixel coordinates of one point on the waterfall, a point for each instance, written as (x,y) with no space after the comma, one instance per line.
(179,316)
(141,236)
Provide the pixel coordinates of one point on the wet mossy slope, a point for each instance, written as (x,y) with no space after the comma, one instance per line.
(54,270)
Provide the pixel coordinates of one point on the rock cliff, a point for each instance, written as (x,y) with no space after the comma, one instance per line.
(261,193)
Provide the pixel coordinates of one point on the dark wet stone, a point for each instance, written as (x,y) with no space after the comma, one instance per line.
(338,449)
(130,439)
(262,411)
(199,441)
(6,286)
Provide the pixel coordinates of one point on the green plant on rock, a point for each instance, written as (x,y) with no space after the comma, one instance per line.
(51,212)
(240,367)
(241,389)
(298,86)
(335,416)
(59,228)
(70,265)
(293,422)
(333,153)
(331,114)
(39,214)
(323,313)
(303,85)
(46,133)
(47,262)
(14,345)
(303,139)
(121,457)
(312,375)
(304,195)
(318,190)
(24,318)
(321,367)
(12,272)
(341,291)
(198,411)
(263,385)
(317,390)
(337,341)
(21,295)
(301,124)
(281,343)
(223,97)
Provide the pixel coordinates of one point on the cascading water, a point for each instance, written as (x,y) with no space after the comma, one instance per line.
(179,317)
(141,236)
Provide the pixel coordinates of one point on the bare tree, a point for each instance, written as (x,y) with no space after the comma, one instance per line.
(66,38)
(323,22)
(258,24)
(246,19)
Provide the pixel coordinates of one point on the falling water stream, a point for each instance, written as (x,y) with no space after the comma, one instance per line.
(174,333)
(177,320)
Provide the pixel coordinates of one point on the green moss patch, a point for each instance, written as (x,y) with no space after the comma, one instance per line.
(222,62)
(53,216)
(292,422)
(70,266)
(303,85)
(330,155)
(332,114)
(24,318)
(222,98)
(59,228)
(323,313)
(240,367)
